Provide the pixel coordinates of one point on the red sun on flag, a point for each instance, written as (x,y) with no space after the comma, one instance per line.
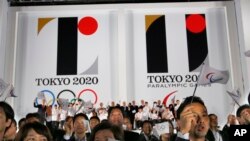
(196,23)
(87,25)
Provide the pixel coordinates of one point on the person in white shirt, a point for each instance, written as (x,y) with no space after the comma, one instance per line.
(62,116)
(167,114)
(139,118)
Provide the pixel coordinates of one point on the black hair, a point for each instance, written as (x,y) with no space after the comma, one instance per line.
(38,127)
(20,122)
(95,117)
(147,121)
(113,108)
(34,115)
(187,101)
(116,130)
(7,109)
(80,115)
(241,108)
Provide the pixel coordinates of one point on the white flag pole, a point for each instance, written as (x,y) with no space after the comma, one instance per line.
(196,85)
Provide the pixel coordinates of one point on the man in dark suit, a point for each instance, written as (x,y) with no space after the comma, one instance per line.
(77,131)
(193,120)
(214,133)
(115,117)
(146,135)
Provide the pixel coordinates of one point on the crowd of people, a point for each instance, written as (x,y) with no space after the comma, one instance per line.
(188,120)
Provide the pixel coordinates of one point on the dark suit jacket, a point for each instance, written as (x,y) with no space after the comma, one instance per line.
(130,136)
(152,138)
(210,135)
(180,139)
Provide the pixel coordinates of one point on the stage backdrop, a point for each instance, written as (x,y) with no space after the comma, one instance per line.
(124,52)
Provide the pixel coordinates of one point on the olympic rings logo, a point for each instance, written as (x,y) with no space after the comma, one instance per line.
(69,94)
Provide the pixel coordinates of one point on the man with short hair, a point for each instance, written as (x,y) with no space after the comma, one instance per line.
(115,117)
(193,120)
(243,114)
(78,131)
(6,117)
(146,134)
(214,132)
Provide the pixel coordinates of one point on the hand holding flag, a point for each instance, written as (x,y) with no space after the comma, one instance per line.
(210,75)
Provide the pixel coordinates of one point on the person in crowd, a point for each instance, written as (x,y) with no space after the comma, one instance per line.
(214,133)
(55,117)
(231,120)
(115,117)
(93,121)
(172,109)
(243,114)
(58,135)
(102,114)
(6,117)
(10,133)
(49,117)
(41,109)
(125,108)
(33,117)
(139,118)
(127,125)
(146,134)
(101,107)
(142,104)
(34,131)
(71,110)
(21,122)
(62,116)
(167,114)
(170,136)
(106,131)
(159,107)
(146,110)
(193,120)
(78,131)
(133,110)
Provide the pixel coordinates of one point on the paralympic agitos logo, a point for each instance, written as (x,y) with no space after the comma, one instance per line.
(211,77)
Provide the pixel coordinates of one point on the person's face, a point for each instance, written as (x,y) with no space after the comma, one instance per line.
(11,131)
(34,136)
(232,119)
(93,123)
(201,125)
(103,135)
(116,117)
(213,121)
(245,115)
(128,124)
(147,128)
(79,125)
(159,102)
(101,104)
(3,121)
(113,103)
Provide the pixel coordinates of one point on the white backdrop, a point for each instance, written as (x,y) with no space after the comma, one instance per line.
(125,80)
